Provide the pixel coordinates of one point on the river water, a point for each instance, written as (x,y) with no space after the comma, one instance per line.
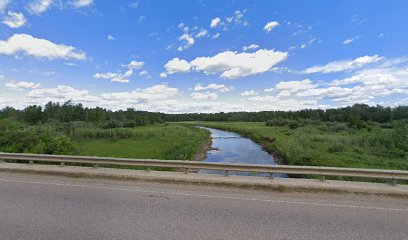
(229,147)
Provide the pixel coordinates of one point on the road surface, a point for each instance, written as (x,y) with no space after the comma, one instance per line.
(51,207)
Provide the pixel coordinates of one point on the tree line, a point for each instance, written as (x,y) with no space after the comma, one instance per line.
(102,117)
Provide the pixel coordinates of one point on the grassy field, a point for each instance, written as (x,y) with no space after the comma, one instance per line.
(159,141)
(318,145)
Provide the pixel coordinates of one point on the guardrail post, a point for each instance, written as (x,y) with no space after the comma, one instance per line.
(394,182)
(185,170)
(62,164)
(31,162)
(270,175)
(322,178)
(95,165)
(148,169)
(226,173)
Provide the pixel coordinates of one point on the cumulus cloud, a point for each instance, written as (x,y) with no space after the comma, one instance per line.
(248,93)
(215,22)
(230,64)
(115,77)
(154,93)
(20,86)
(250,47)
(270,25)
(177,65)
(163,75)
(213,86)
(37,7)
(204,95)
(186,39)
(111,38)
(291,87)
(39,48)
(234,65)
(144,74)
(135,65)
(14,19)
(61,93)
(344,65)
(82,3)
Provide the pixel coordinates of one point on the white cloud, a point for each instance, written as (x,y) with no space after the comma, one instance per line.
(202,33)
(135,65)
(82,3)
(14,19)
(61,93)
(291,87)
(177,65)
(215,22)
(344,65)
(111,38)
(250,47)
(20,86)
(39,48)
(37,7)
(215,36)
(350,40)
(163,75)
(115,77)
(238,18)
(270,25)
(234,65)
(3,5)
(154,93)
(144,74)
(248,93)
(205,95)
(213,86)
(188,41)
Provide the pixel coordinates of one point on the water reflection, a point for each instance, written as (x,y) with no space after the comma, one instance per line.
(229,147)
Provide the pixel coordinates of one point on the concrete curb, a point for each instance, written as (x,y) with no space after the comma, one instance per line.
(306,185)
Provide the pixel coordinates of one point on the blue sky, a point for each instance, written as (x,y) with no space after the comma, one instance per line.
(204,56)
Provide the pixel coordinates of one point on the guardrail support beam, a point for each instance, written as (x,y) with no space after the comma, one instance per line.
(31,162)
(186,170)
(270,175)
(62,164)
(394,182)
(226,173)
(322,178)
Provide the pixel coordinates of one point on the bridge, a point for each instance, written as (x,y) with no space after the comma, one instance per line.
(36,205)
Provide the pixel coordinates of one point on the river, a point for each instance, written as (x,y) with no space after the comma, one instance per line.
(229,147)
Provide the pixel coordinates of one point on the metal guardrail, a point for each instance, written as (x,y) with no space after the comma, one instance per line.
(394,175)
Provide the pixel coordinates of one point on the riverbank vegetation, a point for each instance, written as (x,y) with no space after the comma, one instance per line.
(315,143)
(70,129)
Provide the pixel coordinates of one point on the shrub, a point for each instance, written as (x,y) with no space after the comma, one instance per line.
(335,147)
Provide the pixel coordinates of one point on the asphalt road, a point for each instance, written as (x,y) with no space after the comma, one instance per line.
(45,207)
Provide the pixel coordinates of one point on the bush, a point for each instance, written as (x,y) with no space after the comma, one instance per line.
(336,147)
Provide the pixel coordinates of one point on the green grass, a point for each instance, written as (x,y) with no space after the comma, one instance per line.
(315,145)
(160,141)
